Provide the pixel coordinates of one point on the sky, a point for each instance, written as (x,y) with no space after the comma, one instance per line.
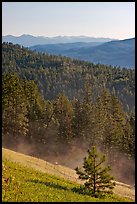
(96,19)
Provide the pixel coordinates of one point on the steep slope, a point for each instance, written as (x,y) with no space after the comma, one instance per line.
(59,170)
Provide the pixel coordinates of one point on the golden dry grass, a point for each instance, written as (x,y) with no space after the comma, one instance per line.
(59,170)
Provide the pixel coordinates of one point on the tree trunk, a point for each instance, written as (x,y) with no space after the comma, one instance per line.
(94,188)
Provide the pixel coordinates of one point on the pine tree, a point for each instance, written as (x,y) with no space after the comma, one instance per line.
(78,121)
(63,113)
(101,114)
(83,121)
(132,144)
(88,92)
(98,180)
(128,141)
(36,108)
(14,115)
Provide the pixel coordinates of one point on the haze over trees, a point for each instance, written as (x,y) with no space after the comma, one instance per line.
(52,102)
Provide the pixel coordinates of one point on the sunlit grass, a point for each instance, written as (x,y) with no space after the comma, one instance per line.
(29,185)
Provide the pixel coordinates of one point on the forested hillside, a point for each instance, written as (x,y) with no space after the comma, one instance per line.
(57,74)
(51,106)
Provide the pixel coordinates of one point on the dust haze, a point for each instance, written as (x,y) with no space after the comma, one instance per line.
(123,168)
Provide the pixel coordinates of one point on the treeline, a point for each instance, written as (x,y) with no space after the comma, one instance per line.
(28,117)
(58,74)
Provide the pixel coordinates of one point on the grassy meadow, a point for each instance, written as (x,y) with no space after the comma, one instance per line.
(24,183)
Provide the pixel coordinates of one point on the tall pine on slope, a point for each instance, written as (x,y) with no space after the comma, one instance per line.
(98,180)
(83,119)
(63,113)
(14,109)
(36,108)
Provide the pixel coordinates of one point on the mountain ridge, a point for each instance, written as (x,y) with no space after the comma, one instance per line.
(30,40)
(115,53)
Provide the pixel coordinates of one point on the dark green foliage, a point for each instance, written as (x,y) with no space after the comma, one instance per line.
(83,120)
(36,110)
(53,101)
(27,116)
(98,180)
(14,108)
(63,113)
(58,74)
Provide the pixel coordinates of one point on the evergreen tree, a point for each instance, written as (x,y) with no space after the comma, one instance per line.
(14,108)
(101,114)
(110,121)
(78,121)
(132,144)
(63,113)
(83,120)
(36,108)
(128,141)
(98,180)
(88,92)
(120,118)
(48,114)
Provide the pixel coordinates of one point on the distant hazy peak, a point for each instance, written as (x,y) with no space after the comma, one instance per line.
(30,40)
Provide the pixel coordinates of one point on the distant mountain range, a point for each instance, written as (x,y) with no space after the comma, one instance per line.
(97,50)
(116,53)
(29,40)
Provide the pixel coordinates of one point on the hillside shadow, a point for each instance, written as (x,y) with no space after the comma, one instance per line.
(50,184)
(78,190)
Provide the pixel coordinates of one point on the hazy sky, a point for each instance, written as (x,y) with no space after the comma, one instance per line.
(96,19)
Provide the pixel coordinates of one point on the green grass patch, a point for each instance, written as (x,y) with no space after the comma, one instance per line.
(23,184)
